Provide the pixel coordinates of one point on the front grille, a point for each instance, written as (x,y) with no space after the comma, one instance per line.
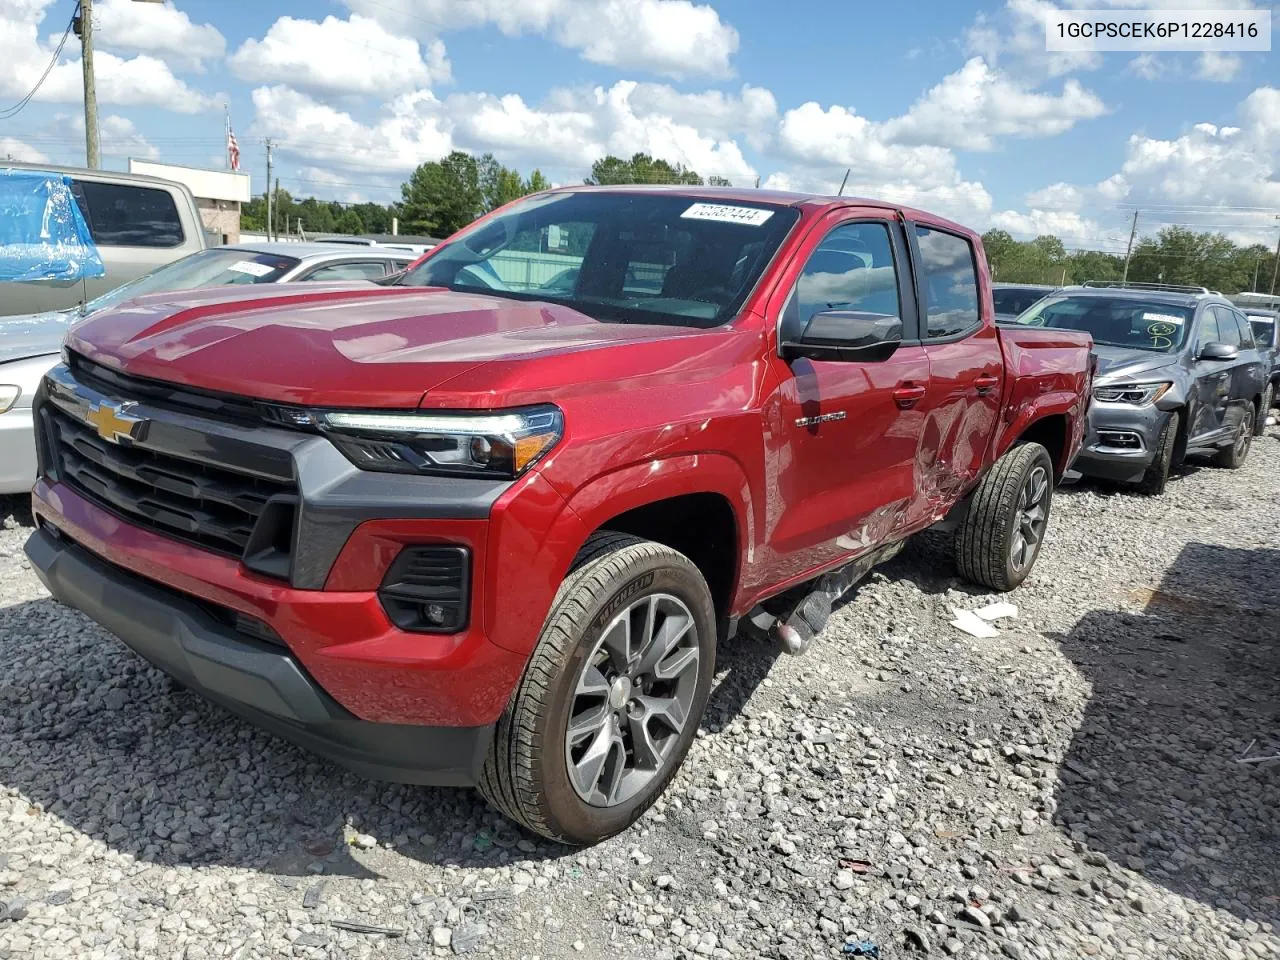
(167,396)
(214,507)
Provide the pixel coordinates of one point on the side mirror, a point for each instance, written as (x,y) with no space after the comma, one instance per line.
(1219,351)
(848,335)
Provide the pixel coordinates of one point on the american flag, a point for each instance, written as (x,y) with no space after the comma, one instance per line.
(233,150)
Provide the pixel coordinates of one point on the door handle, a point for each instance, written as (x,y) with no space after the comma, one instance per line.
(906,395)
(986,383)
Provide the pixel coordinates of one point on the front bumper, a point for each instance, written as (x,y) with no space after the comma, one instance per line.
(17,451)
(349,528)
(258,680)
(1120,442)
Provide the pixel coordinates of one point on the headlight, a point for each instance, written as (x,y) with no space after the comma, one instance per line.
(9,395)
(474,444)
(1133,394)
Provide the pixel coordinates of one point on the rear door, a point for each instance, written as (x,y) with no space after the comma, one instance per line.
(966,366)
(1247,377)
(844,435)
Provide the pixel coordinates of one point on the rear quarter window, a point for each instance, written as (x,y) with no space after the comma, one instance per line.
(949,278)
(125,215)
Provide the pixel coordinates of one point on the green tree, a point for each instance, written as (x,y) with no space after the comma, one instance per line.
(349,222)
(443,196)
(536,183)
(498,184)
(641,168)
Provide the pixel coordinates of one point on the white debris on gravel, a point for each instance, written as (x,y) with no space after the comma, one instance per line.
(1068,789)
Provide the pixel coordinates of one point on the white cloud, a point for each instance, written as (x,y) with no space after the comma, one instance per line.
(818,145)
(407,134)
(970,108)
(142,79)
(1223,179)
(1149,66)
(1218,67)
(163,31)
(333,56)
(1014,40)
(13,149)
(675,38)
(1073,229)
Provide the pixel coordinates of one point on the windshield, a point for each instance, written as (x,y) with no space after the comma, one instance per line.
(1011,301)
(617,257)
(208,268)
(1114,321)
(1264,330)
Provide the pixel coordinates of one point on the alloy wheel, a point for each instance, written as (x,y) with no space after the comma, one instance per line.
(1030,520)
(1245,436)
(632,700)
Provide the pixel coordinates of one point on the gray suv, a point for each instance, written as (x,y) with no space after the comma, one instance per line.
(1178,374)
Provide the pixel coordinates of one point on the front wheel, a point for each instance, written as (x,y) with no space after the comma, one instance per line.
(1156,476)
(612,695)
(1001,535)
(1264,410)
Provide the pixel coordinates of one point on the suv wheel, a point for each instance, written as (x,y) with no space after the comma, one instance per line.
(1156,477)
(1264,410)
(612,695)
(1234,456)
(1000,538)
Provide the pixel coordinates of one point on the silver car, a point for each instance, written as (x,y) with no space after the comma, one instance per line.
(30,345)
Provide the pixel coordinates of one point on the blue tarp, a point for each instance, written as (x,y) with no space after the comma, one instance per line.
(43,235)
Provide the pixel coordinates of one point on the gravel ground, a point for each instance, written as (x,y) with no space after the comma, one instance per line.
(1070,788)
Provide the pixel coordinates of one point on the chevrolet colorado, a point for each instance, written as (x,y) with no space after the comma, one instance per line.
(489,526)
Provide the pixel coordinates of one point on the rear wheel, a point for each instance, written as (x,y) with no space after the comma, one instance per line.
(612,696)
(1234,456)
(1156,478)
(1264,410)
(1001,535)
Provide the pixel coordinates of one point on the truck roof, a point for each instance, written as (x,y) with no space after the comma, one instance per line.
(783,198)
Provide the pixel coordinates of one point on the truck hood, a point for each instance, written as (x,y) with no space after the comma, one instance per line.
(1117,364)
(345,345)
(34,335)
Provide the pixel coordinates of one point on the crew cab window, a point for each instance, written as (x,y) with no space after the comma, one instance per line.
(617,257)
(363,270)
(1246,332)
(949,276)
(851,269)
(122,215)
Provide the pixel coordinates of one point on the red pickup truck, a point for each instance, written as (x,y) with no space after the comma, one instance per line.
(487,526)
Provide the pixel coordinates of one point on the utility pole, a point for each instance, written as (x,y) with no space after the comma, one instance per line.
(275,196)
(1128,252)
(1276,268)
(85,20)
(269,198)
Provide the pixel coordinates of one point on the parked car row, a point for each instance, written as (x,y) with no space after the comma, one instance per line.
(1180,373)
(30,345)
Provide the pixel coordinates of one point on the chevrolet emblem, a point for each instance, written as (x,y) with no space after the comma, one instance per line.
(114,422)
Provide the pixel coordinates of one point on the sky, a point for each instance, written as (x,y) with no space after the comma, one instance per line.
(950,106)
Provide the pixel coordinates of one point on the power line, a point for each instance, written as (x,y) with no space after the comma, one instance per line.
(8,113)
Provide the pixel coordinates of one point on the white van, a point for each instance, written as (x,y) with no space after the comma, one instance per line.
(137,222)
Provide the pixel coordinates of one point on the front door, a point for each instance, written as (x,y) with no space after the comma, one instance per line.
(843,436)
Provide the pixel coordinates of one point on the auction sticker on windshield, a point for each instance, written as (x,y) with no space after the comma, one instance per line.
(725,213)
(251,268)
(1162,318)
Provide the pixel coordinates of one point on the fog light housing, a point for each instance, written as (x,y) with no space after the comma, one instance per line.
(428,589)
